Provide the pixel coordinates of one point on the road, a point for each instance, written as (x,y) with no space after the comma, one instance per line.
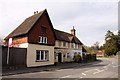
(107,68)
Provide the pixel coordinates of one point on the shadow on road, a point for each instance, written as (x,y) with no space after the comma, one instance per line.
(6,72)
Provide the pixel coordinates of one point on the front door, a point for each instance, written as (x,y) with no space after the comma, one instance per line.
(59,57)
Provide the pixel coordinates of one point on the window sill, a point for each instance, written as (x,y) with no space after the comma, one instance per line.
(42,43)
(42,60)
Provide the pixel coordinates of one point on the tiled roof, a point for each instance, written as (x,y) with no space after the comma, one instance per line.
(63,36)
(25,26)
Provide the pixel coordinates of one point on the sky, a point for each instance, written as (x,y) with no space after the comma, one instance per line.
(91,18)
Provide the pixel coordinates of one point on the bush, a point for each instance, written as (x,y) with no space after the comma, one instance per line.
(89,57)
(77,58)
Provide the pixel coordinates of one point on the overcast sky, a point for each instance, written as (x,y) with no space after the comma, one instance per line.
(91,18)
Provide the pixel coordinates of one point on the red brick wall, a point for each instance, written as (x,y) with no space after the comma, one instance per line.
(35,32)
(19,40)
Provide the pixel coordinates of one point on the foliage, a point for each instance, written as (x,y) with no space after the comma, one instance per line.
(77,58)
(1,41)
(90,49)
(111,45)
(94,48)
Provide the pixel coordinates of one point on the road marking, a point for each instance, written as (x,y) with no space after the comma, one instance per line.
(97,70)
(105,67)
(100,71)
(84,74)
(89,70)
(65,76)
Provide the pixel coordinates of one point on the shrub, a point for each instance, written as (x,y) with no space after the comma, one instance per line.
(77,58)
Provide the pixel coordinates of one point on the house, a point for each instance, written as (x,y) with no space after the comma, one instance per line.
(66,46)
(45,45)
(100,53)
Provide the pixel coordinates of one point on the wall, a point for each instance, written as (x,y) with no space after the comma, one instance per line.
(17,56)
(59,48)
(31,55)
(19,40)
(36,31)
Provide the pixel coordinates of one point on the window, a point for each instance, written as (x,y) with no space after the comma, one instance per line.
(43,29)
(79,46)
(76,46)
(72,45)
(64,44)
(68,55)
(42,39)
(42,55)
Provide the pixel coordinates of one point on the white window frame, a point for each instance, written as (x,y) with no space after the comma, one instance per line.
(43,39)
(45,58)
(40,39)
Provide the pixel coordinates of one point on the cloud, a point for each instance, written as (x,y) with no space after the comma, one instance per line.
(91,19)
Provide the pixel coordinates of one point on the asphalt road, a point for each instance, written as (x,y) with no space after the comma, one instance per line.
(107,68)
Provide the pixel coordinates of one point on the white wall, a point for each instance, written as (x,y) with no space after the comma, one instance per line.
(31,55)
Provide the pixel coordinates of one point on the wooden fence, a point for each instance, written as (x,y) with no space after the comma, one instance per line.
(17,56)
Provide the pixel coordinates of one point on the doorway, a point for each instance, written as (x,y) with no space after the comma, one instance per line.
(59,57)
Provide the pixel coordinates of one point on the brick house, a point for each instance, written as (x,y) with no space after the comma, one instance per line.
(45,45)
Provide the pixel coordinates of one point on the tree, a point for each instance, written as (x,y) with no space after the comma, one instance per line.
(111,45)
(1,41)
(96,46)
(119,40)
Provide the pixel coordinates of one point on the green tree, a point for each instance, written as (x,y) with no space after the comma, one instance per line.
(1,41)
(111,43)
(96,46)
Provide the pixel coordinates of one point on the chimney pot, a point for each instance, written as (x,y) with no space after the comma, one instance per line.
(34,12)
(73,31)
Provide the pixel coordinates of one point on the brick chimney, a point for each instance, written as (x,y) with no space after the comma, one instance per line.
(73,31)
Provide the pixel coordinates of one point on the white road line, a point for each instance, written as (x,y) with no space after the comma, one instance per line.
(65,76)
(100,71)
(97,70)
(89,70)
(84,74)
(105,67)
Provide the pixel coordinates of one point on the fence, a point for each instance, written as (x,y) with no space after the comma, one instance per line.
(17,56)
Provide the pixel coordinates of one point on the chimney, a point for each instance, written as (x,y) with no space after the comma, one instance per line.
(73,31)
(34,12)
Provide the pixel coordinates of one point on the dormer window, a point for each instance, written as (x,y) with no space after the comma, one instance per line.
(42,39)
(43,29)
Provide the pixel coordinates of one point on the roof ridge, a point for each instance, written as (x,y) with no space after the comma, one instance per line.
(63,32)
(36,14)
(27,20)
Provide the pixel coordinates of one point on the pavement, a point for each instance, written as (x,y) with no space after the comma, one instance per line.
(7,72)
